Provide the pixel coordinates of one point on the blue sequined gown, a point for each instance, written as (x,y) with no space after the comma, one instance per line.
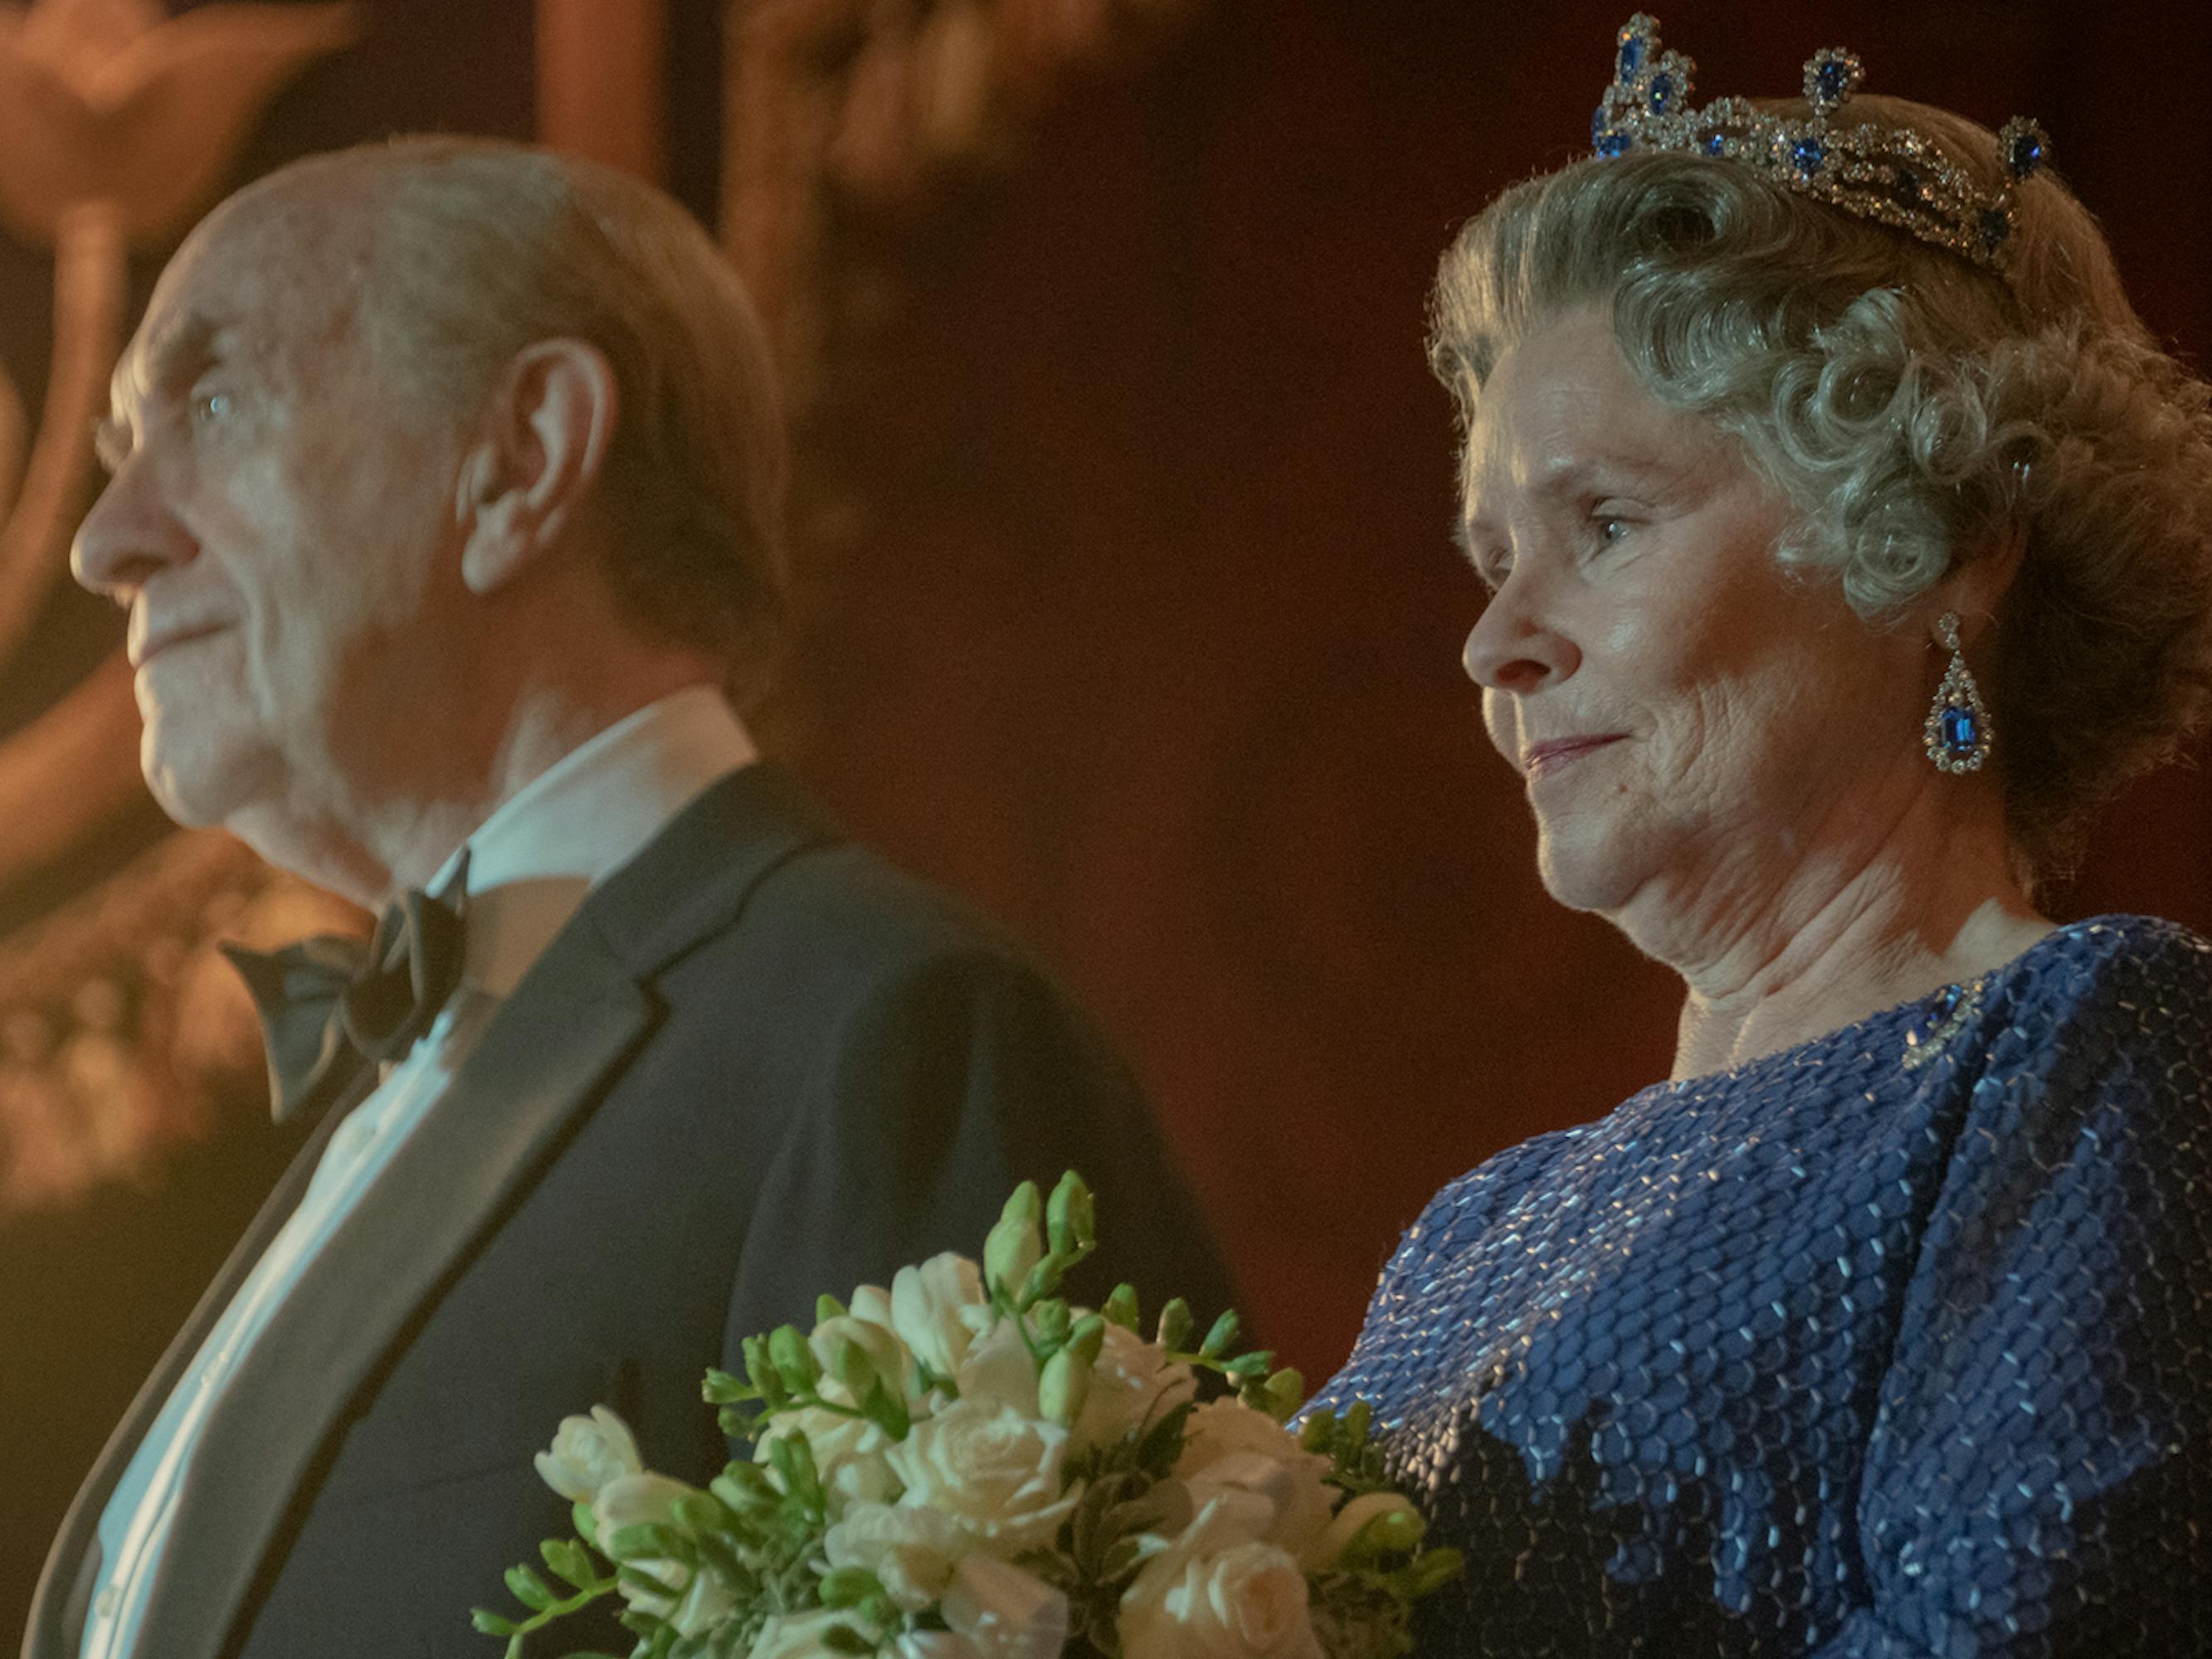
(1898,1343)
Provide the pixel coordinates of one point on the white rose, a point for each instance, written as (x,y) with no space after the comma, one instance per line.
(692,1602)
(1131,1385)
(1229,1446)
(1006,1612)
(799,1635)
(999,1370)
(849,1451)
(587,1452)
(1213,1595)
(912,1550)
(994,1470)
(925,1310)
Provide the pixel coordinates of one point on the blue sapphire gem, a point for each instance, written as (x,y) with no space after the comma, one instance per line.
(1631,55)
(1716,143)
(1995,226)
(1808,153)
(1946,1001)
(1962,733)
(1662,92)
(1832,81)
(2026,154)
(1612,143)
(1598,125)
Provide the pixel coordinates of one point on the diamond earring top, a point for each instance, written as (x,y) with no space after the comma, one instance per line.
(1958,732)
(1892,176)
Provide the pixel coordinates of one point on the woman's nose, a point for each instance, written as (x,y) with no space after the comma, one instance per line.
(1515,645)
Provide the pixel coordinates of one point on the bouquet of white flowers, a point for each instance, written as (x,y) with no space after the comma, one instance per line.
(967,1466)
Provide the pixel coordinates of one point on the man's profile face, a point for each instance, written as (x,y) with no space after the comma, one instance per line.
(273,521)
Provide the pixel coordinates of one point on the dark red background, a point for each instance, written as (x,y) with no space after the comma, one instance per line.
(1146,631)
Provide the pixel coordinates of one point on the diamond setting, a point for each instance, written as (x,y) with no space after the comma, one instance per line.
(1892,176)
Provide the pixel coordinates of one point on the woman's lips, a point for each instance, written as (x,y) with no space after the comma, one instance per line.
(1542,759)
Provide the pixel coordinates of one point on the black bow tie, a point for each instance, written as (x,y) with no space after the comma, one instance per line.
(330,1005)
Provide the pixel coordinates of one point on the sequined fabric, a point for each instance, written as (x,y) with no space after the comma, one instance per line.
(1830,1356)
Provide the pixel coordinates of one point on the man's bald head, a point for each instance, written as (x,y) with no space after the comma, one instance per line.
(452,256)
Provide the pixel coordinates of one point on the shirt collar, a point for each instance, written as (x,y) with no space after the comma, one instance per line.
(531,863)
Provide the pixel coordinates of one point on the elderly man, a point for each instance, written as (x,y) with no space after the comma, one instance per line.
(445,497)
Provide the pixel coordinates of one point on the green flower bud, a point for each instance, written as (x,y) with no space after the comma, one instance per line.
(1175,1326)
(794,1361)
(1071,1219)
(1121,1308)
(1064,1387)
(1014,1246)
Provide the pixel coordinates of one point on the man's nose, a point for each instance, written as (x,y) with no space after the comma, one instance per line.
(129,534)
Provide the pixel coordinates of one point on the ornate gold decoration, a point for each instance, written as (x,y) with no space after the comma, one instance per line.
(117,126)
(881,103)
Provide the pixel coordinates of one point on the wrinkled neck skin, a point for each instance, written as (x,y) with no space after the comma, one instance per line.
(369,832)
(1776,952)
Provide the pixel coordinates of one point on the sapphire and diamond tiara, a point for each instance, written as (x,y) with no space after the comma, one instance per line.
(1893,176)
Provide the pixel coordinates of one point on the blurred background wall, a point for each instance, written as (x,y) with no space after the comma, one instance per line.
(1125,500)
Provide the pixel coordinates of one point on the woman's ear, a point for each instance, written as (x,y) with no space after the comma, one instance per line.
(1976,590)
(542,440)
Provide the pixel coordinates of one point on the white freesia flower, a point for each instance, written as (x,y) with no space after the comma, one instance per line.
(800,1635)
(1229,1446)
(1215,1592)
(927,1305)
(994,1470)
(587,1452)
(911,1550)
(1006,1612)
(1325,1550)
(849,1451)
(690,1601)
(1131,1385)
(886,1354)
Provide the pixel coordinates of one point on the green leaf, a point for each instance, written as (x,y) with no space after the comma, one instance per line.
(490,1623)
(1218,1337)
(530,1589)
(1318,1431)
(1162,1442)
(1121,1308)
(1253,1364)
(826,1308)
(1175,1326)
(848,1587)
(1429,1572)
(1283,1392)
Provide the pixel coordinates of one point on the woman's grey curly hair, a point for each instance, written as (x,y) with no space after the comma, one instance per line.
(1919,412)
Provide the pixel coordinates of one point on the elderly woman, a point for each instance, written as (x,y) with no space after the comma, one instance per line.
(1849,541)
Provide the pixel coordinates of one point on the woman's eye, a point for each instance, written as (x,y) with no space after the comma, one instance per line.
(210,406)
(1610,530)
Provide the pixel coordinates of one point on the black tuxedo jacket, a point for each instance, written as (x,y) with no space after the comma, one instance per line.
(759,1064)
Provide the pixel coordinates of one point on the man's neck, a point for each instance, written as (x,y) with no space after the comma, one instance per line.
(1837,938)
(377,843)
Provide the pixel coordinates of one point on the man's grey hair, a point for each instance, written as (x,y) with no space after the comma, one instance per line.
(1918,412)
(476,249)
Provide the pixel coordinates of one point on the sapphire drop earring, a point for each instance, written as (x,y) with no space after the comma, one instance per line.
(1958,732)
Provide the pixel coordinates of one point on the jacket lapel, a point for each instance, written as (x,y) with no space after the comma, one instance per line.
(59,1606)
(545,1058)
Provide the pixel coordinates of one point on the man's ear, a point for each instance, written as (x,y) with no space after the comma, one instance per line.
(542,440)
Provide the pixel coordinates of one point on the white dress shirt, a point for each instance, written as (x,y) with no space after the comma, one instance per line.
(530,865)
